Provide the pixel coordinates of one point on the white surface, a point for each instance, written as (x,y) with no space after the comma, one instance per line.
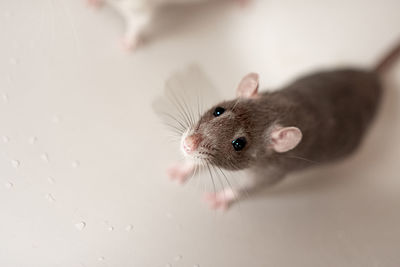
(83,158)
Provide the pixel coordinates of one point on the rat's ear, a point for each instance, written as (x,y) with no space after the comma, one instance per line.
(248,86)
(285,139)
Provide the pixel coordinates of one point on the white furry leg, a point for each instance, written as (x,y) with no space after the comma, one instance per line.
(135,25)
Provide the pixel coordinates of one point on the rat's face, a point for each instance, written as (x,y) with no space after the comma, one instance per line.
(230,136)
(222,137)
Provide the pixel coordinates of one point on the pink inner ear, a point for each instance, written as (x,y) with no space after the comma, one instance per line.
(248,86)
(285,139)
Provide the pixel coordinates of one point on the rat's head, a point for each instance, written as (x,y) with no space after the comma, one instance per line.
(229,134)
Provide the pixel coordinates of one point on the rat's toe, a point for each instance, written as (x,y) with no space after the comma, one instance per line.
(129,44)
(221,200)
(95,3)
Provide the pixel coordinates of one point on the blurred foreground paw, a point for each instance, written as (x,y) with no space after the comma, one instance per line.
(95,3)
(180,172)
(221,200)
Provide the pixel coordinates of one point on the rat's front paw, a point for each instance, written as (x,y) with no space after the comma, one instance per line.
(243,3)
(131,43)
(95,3)
(180,171)
(221,200)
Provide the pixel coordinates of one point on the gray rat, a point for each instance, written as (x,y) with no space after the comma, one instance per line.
(320,117)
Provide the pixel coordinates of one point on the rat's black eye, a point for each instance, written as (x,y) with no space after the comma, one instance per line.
(218,111)
(239,143)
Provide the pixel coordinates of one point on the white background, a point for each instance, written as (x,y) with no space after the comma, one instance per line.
(75,112)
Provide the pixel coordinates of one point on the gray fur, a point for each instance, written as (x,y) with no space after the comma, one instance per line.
(332,109)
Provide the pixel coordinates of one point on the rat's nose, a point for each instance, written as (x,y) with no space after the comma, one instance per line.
(191,143)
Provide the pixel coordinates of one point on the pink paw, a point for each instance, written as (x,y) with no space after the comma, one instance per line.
(180,172)
(243,3)
(220,200)
(95,3)
(129,44)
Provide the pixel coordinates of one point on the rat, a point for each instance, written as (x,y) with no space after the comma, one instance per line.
(320,117)
(138,14)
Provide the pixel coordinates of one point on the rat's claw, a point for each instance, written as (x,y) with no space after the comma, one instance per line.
(180,171)
(220,200)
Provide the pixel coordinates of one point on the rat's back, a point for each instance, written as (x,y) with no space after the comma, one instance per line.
(333,109)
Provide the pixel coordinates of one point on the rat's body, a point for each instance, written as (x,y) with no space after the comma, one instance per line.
(333,109)
(137,14)
(318,118)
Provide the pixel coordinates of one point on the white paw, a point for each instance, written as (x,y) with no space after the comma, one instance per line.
(221,200)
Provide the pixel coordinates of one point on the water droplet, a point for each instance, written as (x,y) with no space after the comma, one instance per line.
(101,259)
(178,257)
(80,225)
(56,119)
(111,228)
(75,164)
(32,140)
(45,157)
(51,180)
(6,139)
(5,97)
(15,163)
(13,61)
(129,228)
(8,185)
(50,198)
(169,215)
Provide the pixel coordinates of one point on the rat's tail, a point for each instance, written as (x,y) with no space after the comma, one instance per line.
(388,59)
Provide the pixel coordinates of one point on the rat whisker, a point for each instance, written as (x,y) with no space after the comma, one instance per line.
(182,117)
(189,109)
(178,105)
(174,128)
(172,139)
(211,176)
(186,108)
(219,179)
(305,159)
(181,124)
(193,174)
(226,178)
(205,184)
(198,106)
